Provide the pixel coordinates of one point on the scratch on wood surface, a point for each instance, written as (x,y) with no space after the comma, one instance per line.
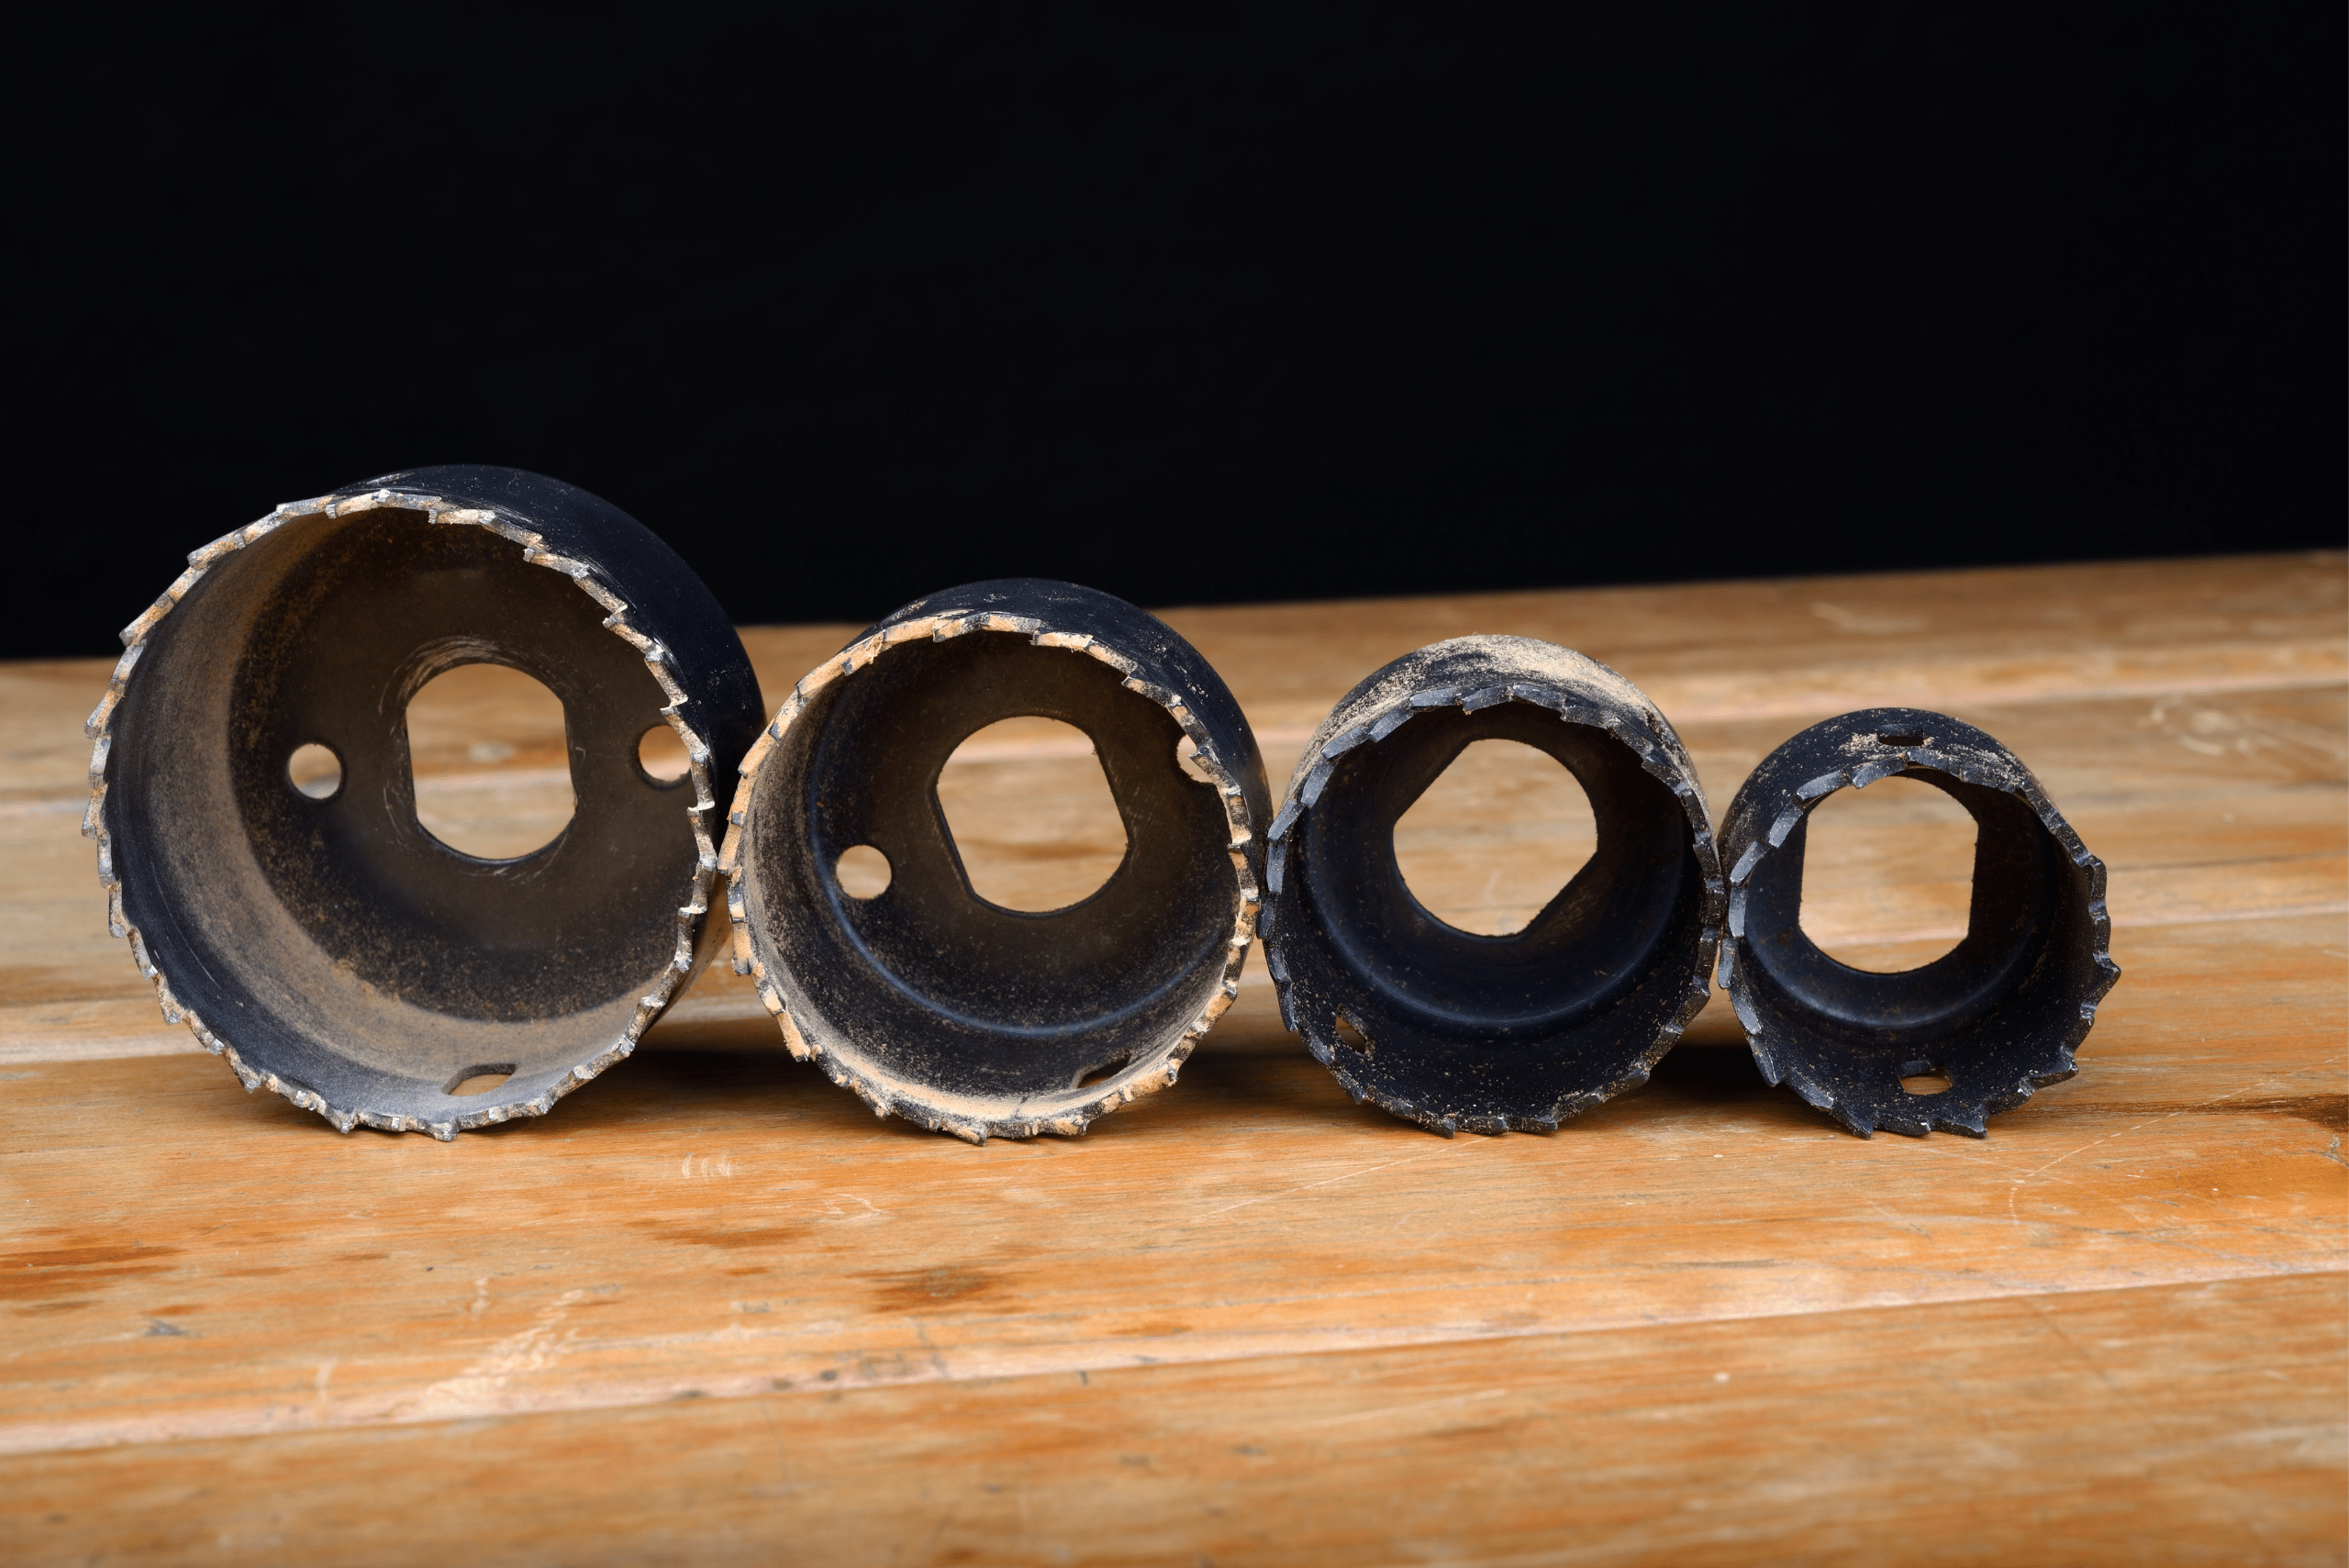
(1368,1170)
(1390,1412)
(2028,1176)
(2053,1322)
(937,1361)
(1971,1154)
(1902,1220)
(2147,1410)
(476,1388)
(833,1212)
(2251,733)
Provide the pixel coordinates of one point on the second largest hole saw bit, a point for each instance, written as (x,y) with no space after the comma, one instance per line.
(925,998)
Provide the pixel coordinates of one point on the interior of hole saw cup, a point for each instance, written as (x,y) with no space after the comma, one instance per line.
(926,976)
(1638,898)
(2020,877)
(338,926)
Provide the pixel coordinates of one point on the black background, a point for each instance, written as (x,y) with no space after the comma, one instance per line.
(1194,302)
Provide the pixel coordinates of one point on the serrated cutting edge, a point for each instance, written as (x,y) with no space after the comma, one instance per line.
(582,574)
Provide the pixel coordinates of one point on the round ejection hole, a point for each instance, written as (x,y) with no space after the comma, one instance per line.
(1887,878)
(1031,814)
(490,757)
(1104,1072)
(315,771)
(863,873)
(660,753)
(479,1080)
(1923,1078)
(1496,838)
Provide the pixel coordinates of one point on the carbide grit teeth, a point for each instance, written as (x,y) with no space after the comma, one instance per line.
(301,940)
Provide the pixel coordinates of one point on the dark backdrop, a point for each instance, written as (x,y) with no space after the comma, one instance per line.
(1191,302)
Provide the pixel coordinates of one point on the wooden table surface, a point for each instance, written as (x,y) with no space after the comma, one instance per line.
(712,1310)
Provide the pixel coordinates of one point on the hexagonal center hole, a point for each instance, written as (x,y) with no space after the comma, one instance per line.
(491,761)
(1031,814)
(1498,835)
(1888,879)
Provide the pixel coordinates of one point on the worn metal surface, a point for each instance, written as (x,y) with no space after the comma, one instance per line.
(332,949)
(1998,1016)
(927,1000)
(1491,1033)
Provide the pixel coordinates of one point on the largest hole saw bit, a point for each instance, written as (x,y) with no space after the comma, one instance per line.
(321,940)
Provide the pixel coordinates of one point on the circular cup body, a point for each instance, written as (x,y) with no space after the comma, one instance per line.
(331,948)
(926,999)
(1998,1016)
(1491,1033)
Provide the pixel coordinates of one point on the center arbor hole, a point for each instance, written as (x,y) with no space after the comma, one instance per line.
(491,761)
(1498,836)
(1031,814)
(1887,878)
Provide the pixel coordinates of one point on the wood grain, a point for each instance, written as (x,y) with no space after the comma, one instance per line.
(713,1309)
(734,1227)
(2186,1424)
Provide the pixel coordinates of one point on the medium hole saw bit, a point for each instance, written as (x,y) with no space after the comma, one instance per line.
(316,935)
(924,998)
(1452,1029)
(1998,1016)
